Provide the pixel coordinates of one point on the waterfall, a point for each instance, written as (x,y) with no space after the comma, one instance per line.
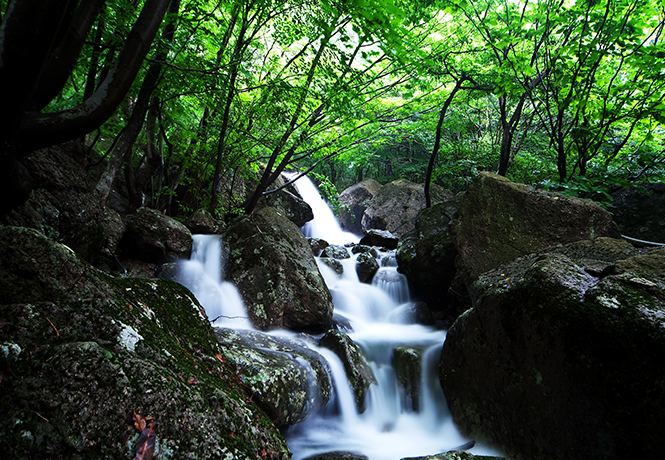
(391,427)
(202,274)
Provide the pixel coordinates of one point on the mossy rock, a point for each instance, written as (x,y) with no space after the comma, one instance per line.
(558,361)
(272,265)
(82,351)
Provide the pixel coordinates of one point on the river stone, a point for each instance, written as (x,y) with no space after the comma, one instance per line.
(335,264)
(337,455)
(356,199)
(360,248)
(500,220)
(272,265)
(318,245)
(357,370)
(61,208)
(203,223)
(287,379)
(379,238)
(454,455)
(554,363)
(640,212)
(407,362)
(335,251)
(395,206)
(426,256)
(84,351)
(366,267)
(154,237)
(291,204)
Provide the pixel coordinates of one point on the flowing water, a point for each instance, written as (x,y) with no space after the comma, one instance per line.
(393,425)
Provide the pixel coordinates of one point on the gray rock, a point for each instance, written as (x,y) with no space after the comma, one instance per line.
(61,208)
(202,222)
(407,362)
(379,238)
(154,237)
(426,255)
(335,251)
(356,198)
(335,264)
(358,372)
(272,265)
(553,362)
(500,220)
(337,455)
(395,206)
(366,267)
(318,245)
(287,379)
(640,213)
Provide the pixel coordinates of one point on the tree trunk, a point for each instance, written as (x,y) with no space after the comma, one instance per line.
(437,141)
(27,34)
(61,62)
(42,130)
(123,149)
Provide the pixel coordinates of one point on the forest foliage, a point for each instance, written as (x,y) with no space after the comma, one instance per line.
(567,94)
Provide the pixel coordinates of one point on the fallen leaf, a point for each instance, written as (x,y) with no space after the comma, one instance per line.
(145,446)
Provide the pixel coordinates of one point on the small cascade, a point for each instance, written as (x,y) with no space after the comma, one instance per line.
(325,222)
(391,427)
(202,274)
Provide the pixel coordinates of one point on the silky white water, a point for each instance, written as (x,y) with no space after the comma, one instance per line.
(390,428)
(202,274)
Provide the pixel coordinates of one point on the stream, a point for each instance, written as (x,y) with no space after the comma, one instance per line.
(396,423)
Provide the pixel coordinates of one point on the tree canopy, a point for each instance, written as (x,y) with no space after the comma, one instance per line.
(184,101)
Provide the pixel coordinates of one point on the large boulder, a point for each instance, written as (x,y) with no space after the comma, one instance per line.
(640,213)
(61,208)
(500,220)
(563,355)
(395,206)
(355,199)
(426,255)
(86,355)
(272,265)
(287,379)
(154,237)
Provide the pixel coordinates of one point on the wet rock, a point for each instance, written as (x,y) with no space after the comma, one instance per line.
(500,220)
(358,372)
(291,204)
(366,267)
(318,245)
(287,379)
(335,264)
(356,198)
(202,222)
(86,350)
(426,255)
(272,265)
(335,251)
(395,206)
(553,362)
(337,455)
(454,455)
(154,237)
(139,269)
(360,248)
(379,238)
(640,213)
(407,362)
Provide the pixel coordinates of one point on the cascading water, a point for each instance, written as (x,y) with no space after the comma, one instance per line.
(393,426)
(202,274)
